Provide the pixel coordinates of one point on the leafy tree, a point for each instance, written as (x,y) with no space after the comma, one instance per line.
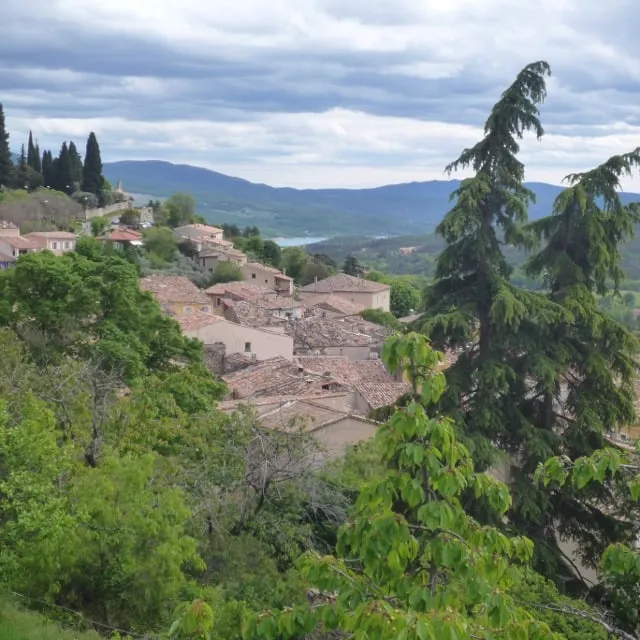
(249,232)
(231,231)
(352,267)
(313,271)
(294,260)
(161,242)
(130,217)
(323,258)
(89,305)
(405,298)
(271,253)
(76,165)
(411,562)
(92,178)
(98,226)
(226,272)
(384,318)
(6,163)
(180,209)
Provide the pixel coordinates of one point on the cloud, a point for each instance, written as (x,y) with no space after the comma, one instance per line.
(318,92)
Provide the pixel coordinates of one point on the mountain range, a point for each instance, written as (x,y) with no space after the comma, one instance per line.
(398,209)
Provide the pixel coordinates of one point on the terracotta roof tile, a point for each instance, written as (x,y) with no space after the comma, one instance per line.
(336,304)
(173,289)
(55,235)
(342,282)
(351,331)
(196,320)
(20,242)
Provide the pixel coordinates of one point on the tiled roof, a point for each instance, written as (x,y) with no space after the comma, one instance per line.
(197,230)
(122,235)
(54,235)
(334,303)
(342,282)
(212,251)
(241,290)
(6,258)
(196,320)
(20,242)
(173,289)
(277,376)
(263,267)
(318,332)
(250,314)
(382,394)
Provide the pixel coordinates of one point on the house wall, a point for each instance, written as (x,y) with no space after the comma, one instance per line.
(266,278)
(353,353)
(184,308)
(339,435)
(60,247)
(9,232)
(7,249)
(209,263)
(370,300)
(237,338)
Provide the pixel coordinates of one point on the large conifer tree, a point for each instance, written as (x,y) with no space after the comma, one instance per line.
(47,168)
(92,178)
(7,169)
(76,164)
(62,171)
(33,155)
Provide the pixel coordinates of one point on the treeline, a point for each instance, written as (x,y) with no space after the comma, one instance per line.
(66,171)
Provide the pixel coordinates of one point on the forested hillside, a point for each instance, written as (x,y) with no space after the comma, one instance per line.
(132,506)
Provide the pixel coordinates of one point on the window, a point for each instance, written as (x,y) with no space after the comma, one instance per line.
(67,245)
(266,281)
(206,309)
(247,347)
(187,309)
(253,275)
(54,245)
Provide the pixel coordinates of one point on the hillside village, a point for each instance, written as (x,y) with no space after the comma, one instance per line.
(284,350)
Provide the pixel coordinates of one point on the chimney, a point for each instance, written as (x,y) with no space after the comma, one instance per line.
(315,278)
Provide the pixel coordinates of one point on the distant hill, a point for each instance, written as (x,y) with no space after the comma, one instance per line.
(398,209)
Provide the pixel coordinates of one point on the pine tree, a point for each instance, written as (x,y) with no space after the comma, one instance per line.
(22,172)
(472,306)
(47,168)
(36,160)
(76,165)
(92,178)
(590,359)
(63,172)
(7,170)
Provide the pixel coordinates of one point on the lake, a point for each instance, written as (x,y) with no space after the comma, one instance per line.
(297,242)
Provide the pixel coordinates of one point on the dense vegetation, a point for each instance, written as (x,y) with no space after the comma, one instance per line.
(130,503)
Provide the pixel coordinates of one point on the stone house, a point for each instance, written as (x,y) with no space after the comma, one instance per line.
(121,238)
(371,295)
(257,344)
(270,277)
(59,242)
(332,306)
(202,235)
(241,291)
(211,256)
(176,294)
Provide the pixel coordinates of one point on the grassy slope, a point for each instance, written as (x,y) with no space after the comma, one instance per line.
(24,625)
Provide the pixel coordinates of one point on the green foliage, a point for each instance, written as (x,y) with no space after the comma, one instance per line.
(130,217)
(7,169)
(352,267)
(411,562)
(384,318)
(160,243)
(179,209)
(271,253)
(92,179)
(226,272)
(294,261)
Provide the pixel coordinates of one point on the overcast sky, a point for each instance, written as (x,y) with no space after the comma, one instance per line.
(314,93)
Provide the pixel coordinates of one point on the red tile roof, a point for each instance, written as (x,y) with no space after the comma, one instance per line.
(122,235)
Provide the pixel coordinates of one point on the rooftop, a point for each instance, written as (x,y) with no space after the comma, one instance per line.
(268,269)
(319,332)
(198,230)
(212,251)
(122,235)
(278,377)
(173,289)
(241,290)
(21,242)
(6,258)
(250,314)
(342,282)
(55,235)
(334,303)
(196,320)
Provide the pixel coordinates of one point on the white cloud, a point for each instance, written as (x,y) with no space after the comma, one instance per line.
(322,92)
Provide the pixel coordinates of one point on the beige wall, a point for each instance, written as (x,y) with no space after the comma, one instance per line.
(378,300)
(9,232)
(266,278)
(60,246)
(185,308)
(339,435)
(209,263)
(240,339)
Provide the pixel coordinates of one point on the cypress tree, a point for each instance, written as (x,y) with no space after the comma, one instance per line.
(62,171)
(36,160)
(76,165)
(7,170)
(33,157)
(92,179)
(47,168)
(22,172)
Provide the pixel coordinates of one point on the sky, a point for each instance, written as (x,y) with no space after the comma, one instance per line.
(318,93)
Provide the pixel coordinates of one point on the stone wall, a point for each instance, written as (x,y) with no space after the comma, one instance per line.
(214,357)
